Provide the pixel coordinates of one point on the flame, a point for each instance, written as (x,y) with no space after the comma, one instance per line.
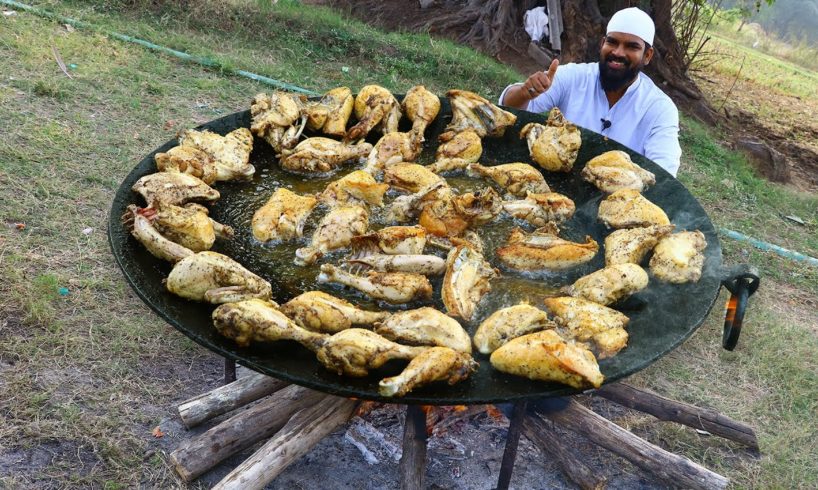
(365,407)
(731,306)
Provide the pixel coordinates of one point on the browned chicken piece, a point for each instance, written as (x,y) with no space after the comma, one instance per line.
(392,287)
(283,216)
(321,155)
(614,170)
(609,285)
(145,233)
(466,281)
(516,179)
(541,209)
(410,177)
(334,231)
(376,108)
(545,356)
(464,145)
(554,146)
(322,312)
(256,320)
(174,188)
(354,351)
(392,240)
(421,107)
(428,265)
(425,326)
(543,249)
(472,112)
(189,226)
(509,323)
(355,188)
(215,278)
(630,245)
(278,119)
(392,148)
(451,215)
(434,364)
(406,208)
(679,258)
(628,208)
(188,160)
(331,114)
(447,243)
(230,153)
(588,321)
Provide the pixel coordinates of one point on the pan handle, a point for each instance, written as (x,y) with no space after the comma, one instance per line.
(742,281)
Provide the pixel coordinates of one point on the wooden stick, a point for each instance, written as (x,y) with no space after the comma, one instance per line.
(241,431)
(544,437)
(228,397)
(512,440)
(413,459)
(304,430)
(683,413)
(669,467)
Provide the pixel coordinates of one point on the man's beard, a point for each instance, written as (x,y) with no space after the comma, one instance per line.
(613,80)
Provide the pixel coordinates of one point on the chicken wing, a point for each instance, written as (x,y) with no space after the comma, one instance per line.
(188,160)
(355,188)
(392,287)
(421,107)
(630,245)
(516,179)
(679,258)
(545,356)
(554,146)
(463,145)
(319,155)
(331,114)
(428,265)
(433,364)
(143,230)
(609,285)
(334,231)
(627,208)
(451,215)
(376,108)
(283,216)
(509,323)
(466,281)
(425,326)
(354,351)
(614,170)
(230,153)
(472,112)
(392,148)
(392,240)
(588,321)
(256,320)
(189,226)
(215,278)
(543,249)
(541,209)
(174,188)
(410,177)
(321,312)
(278,119)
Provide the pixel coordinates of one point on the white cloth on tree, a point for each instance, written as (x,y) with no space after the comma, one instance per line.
(536,23)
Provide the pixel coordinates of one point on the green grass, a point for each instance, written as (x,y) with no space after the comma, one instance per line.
(89,374)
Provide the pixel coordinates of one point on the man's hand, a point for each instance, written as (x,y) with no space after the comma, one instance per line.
(520,95)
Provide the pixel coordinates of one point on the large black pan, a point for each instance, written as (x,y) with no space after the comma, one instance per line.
(661,317)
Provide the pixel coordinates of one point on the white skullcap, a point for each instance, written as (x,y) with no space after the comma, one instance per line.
(633,21)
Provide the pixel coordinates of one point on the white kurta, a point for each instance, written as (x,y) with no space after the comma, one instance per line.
(644,119)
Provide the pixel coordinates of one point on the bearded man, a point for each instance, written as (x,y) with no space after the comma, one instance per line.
(612,97)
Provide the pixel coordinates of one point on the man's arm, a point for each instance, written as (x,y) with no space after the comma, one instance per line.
(662,144)
(519,95)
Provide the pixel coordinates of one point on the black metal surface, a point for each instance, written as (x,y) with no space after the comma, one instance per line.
(661,317)
(742,281)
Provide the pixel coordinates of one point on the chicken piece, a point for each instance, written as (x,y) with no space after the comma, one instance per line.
(278,119)
(630,245)
(545,356)
(541,209)
(451,215)
(321,155)
(188,160)
(392,287)
(256,320)
(543,249)
(464,145)
(354,351)
(469,237)
(425,326)
(609,285)
(516,179)
(410,177)
(554,146)
(588,321)
(679,258)
(145,233)
(230,153)
(215,278)
(405,208)
(334,231)
(322,312)
(466,281)
(428,265)
(173,188)
(434,364)
(355,188)
(614,170)
(421,107)
(509,323)
(283,216)
(331,114)
(392,148)
(391,240)
(472,112)
(627,208)
(189,226)
(376,108)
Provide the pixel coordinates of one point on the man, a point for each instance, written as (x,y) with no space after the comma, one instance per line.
(611,97)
